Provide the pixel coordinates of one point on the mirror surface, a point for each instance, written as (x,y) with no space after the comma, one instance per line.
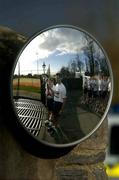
(61,85)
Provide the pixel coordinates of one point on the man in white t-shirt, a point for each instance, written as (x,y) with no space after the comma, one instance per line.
(59,98)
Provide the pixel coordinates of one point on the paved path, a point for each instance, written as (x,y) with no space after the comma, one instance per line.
(88,120)
(80,125)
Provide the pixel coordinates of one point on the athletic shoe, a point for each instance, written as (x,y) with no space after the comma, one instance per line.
(48,123)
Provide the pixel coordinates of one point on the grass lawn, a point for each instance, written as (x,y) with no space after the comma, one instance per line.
(28,88)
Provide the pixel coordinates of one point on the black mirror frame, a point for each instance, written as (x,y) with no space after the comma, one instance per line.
(41,148)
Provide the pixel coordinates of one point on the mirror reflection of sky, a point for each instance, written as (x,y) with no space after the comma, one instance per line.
(55,47)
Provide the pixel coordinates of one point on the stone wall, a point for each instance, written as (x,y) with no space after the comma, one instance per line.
(85,161)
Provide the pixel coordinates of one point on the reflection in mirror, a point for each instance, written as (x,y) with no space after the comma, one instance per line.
(61,85)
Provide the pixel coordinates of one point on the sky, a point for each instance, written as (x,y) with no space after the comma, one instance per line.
(27,17)
(55,47)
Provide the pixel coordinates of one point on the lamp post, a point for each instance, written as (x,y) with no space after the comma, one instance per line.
(44,66)
(37,62)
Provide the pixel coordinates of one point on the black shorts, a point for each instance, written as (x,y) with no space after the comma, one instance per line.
(95,94)
(50,104)
(85,90)
(104,94)
(89,93)
(57,108)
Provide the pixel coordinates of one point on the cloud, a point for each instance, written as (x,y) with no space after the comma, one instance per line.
(56,42)
(63,40)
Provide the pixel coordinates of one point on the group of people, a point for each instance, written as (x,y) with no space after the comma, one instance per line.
(55,99)
(96,91)
(96,87)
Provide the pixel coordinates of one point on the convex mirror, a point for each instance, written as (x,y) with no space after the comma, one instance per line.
(61,86)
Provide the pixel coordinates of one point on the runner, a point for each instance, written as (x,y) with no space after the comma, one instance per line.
(50,87)
(59,99)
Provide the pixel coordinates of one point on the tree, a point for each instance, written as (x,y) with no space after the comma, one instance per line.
(29,75)
(100,63)
(104,67)
(65,73)
(79,63)
(89,52)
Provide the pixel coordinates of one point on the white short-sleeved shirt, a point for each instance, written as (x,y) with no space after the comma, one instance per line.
(59,92)
(99,84)
(109,86)
(104,85)
(95,88)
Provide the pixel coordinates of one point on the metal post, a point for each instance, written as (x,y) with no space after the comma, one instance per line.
(37,62)
(44,66)
(18,79)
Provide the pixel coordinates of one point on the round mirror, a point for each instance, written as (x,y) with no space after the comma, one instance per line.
(61,86)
